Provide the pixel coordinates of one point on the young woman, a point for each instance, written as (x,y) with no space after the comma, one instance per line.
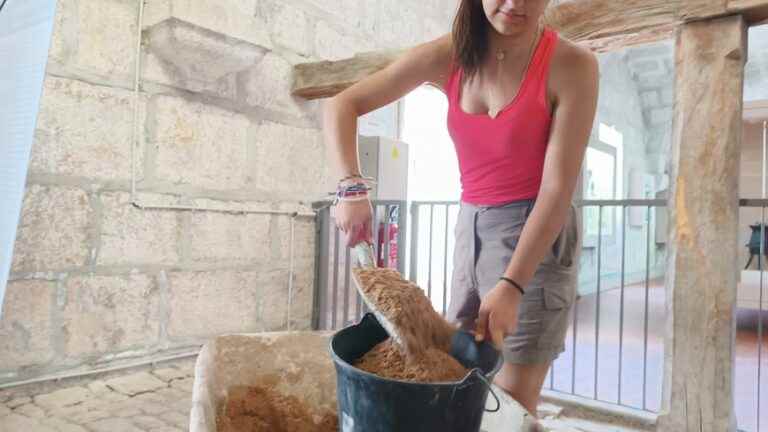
(521,105)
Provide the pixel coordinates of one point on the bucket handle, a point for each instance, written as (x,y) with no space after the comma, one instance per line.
(493,393)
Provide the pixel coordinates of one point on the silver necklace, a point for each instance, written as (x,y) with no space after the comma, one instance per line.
(493,110)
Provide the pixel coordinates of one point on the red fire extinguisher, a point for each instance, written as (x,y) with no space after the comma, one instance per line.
(392,261)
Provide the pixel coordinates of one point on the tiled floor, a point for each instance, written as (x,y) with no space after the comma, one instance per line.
(633,353)
(151,399)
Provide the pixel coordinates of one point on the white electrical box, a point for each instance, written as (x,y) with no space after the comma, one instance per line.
(386,161)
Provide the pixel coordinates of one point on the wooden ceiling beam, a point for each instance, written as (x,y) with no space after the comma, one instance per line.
(602,25)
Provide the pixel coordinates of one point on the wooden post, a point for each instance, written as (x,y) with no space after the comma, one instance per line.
(704,208)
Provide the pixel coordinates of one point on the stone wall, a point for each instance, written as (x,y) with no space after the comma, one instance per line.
(101,275)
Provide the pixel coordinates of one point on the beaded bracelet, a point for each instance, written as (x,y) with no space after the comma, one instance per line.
(354,192)
(357,176)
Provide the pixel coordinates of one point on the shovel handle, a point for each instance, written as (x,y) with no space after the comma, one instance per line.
(365,255)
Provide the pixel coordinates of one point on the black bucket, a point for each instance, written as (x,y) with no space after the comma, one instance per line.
(369,403)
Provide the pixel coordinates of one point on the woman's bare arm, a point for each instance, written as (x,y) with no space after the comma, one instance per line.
(576,87)
(427,62)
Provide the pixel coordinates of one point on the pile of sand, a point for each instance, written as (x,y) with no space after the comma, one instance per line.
(389,361)
(425,334)
(264,409)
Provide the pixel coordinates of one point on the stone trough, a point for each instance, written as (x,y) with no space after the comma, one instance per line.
(296,363)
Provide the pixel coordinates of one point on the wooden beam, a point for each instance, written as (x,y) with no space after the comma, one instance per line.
(327,78)
(602,25)
(703,245)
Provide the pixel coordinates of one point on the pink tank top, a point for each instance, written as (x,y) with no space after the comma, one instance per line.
(501,160)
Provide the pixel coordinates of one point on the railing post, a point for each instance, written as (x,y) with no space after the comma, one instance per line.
(402,231)
(321,267)
(414,264)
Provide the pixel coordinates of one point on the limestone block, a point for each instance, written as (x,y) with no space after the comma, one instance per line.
(53,229)
(133,384)
(268,84)
(274,305)
(194,53)
(25,341)
(288,25)
(130,235)
(204,304)
(233,18)
(106,36)
(199,144)
(63,398)
(64,37)
(289,160)
(85,130)
(234,239)
(332,45)
(304,239)
(109,313)
(274,300)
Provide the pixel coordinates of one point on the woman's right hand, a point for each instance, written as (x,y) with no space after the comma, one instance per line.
(354,219)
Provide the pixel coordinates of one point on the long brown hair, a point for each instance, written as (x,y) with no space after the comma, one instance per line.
(470,36)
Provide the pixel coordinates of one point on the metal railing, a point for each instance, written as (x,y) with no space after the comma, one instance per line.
(618,222)
(336,302)
(747,422)
(429,264)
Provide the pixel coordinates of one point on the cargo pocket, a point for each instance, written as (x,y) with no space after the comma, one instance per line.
(565,248)
(559,294)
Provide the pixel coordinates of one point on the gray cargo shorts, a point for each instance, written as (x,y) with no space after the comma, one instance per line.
(486,237)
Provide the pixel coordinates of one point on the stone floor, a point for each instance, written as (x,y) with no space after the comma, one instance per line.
(151,399)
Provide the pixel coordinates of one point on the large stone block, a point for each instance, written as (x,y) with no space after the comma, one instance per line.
(289,26)
(304,239)
(105,37)
(330,44)
(229,238)
(233,18)
(197,54)
(204,304)
(274,300)
(199,144)
(64,38)
(26,331)
(268,84)
(53,231)
(130,235)
(289,160)
(110,313)
(86,130)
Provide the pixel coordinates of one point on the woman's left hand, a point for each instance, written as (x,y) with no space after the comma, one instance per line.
(498,314)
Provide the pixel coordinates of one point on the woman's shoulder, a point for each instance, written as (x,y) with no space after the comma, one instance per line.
(439,56)
(569,54)
(571,61)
